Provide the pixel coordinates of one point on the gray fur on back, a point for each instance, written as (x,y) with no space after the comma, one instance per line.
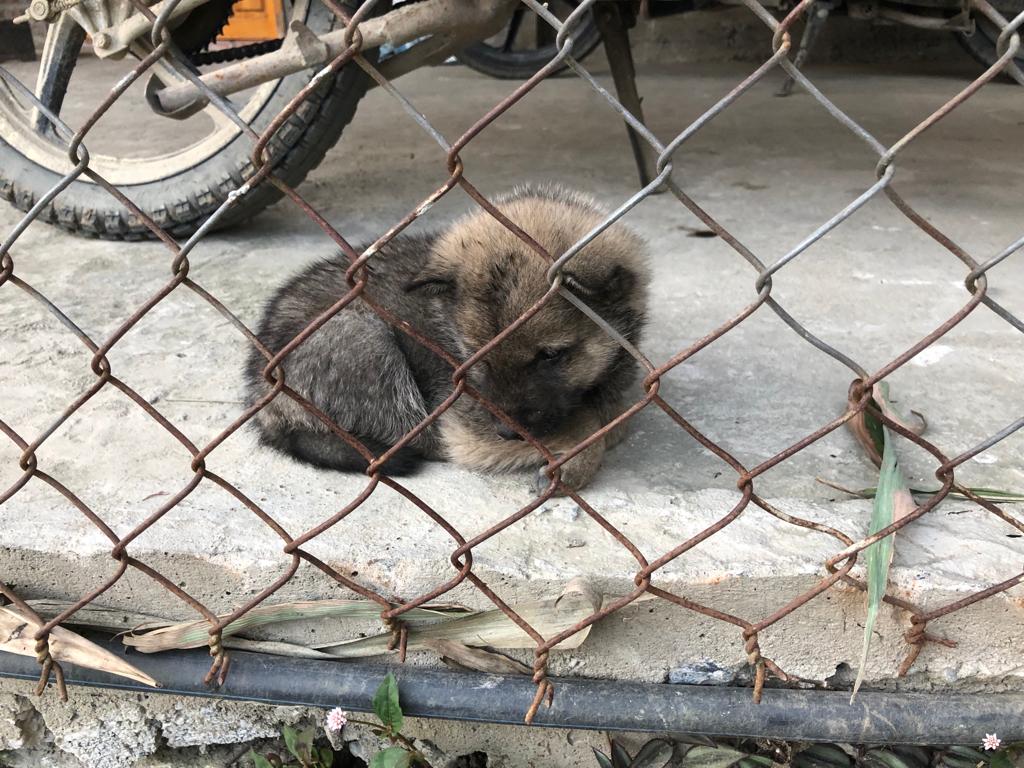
(354,368)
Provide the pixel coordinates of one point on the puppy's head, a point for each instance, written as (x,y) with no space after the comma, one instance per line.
(484,278)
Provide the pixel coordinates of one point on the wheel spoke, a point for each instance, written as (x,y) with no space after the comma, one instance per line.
(513,29)
(63,44)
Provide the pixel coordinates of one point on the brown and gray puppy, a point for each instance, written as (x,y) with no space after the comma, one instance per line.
(558,375)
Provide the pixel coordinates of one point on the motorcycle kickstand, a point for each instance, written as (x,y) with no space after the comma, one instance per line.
(613,22)
(816,17)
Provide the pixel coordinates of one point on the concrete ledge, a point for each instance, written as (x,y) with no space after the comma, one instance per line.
(646,641)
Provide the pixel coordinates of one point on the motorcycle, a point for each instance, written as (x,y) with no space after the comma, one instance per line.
(180,184)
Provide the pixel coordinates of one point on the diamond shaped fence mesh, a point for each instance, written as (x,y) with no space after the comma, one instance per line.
(836,569)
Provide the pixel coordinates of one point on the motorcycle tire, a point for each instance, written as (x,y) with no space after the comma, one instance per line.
(981,44)
(506,63)
(181,198)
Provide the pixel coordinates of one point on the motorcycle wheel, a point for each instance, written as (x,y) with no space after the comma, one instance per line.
(516,53)
(180,186)
(981,44)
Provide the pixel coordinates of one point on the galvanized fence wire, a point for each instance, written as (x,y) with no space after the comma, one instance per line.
(836,568)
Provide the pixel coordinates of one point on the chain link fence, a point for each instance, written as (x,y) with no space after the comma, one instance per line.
(835,569)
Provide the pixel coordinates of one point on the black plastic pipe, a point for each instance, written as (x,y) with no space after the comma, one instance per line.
(790,715)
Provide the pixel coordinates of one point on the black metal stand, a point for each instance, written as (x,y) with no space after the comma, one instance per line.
(614,21)
(817,15)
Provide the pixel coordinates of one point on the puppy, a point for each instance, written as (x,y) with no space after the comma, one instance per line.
(558,375)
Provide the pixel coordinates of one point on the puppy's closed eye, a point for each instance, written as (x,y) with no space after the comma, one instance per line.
(552,354)
(432,285)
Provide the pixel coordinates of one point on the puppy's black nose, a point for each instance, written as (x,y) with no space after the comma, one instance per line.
(506,432)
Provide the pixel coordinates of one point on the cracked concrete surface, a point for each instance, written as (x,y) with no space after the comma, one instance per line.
(112,730)
(116,730)
(771,170)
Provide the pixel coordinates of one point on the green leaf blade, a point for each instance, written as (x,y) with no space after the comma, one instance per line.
(392,757)
(656,753)
(291,740)
(620,757)
(387,705)
(304,745)
(878,556)
(712,757)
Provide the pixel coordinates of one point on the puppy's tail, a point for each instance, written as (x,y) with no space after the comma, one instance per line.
(324,449)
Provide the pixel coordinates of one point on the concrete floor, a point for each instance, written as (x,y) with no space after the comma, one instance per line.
(771,170)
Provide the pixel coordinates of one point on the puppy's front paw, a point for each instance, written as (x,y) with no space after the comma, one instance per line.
(541,481)
(576,473)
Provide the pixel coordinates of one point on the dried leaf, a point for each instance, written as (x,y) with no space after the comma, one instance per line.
(490,628)
(867,429)
(427,624)
(100,617)
(17,633)
(273,648)
(478,659)
(163,636)
(880,394)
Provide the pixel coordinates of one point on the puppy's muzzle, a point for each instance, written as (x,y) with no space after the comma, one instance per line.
(505,432)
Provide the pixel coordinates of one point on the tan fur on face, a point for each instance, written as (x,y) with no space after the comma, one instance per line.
(477,248)
(556,219)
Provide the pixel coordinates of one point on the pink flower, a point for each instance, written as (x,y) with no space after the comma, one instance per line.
(336,719)
(991,742)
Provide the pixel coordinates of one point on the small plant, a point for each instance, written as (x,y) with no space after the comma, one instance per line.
(386,705)
(695,752)
(1003,755)
(300,744)
(388,708)
(702,752)
(656,752)
(907,756)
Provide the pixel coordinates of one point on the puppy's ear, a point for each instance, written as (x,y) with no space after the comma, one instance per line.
(613,286)
(432,284)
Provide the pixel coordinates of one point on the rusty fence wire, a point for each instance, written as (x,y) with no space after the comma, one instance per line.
(835,569)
